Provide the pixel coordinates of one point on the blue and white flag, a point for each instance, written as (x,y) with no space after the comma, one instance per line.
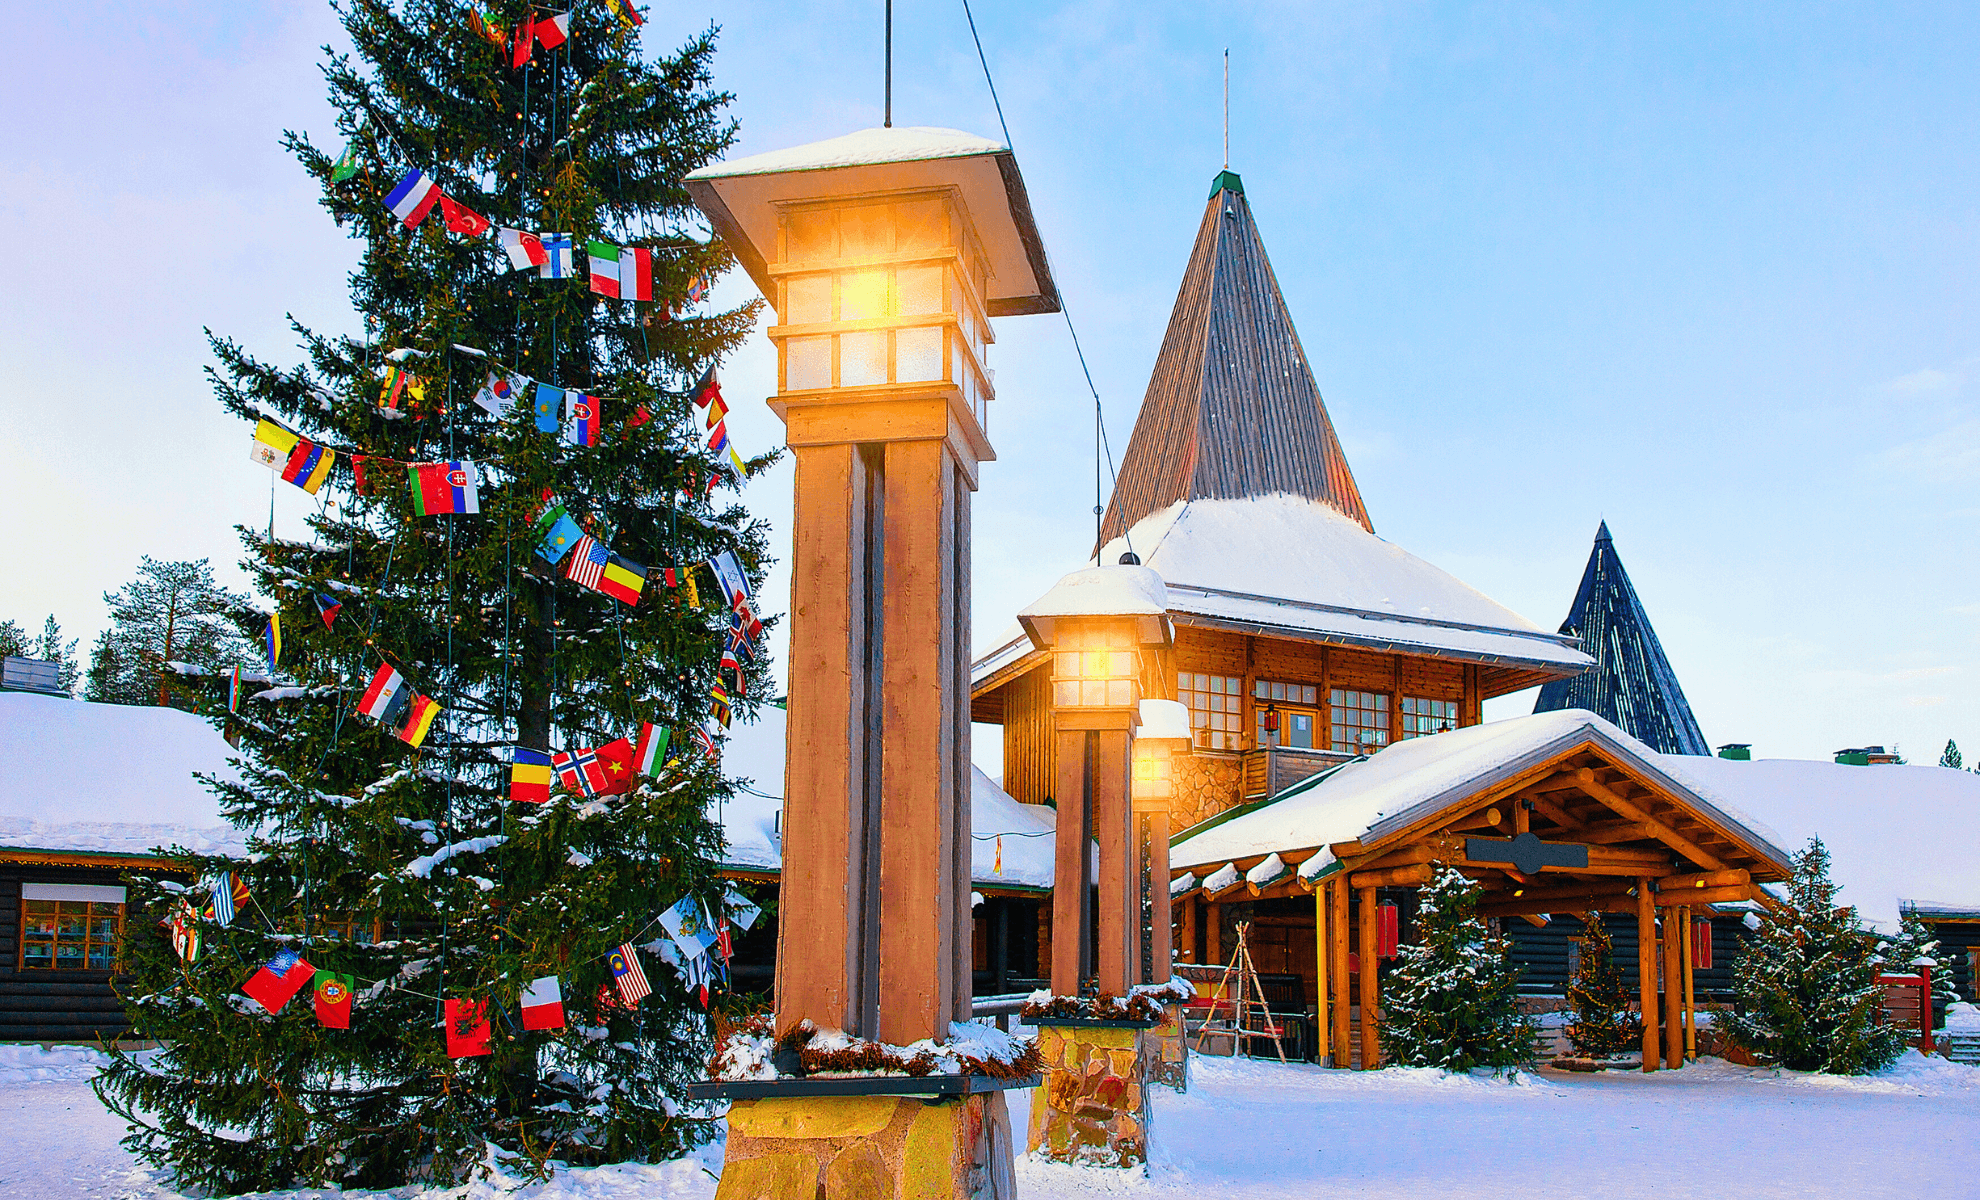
(223,898)
(558,260)
(688,924)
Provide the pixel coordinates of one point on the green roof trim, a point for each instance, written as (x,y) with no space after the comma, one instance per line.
(1226,181)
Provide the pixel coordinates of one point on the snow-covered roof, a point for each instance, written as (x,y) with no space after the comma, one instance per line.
(1287,564)
(1369,798)
(110,779)
(867,147)
(755,753)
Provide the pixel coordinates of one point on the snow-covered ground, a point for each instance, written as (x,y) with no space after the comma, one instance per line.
(1251,1130)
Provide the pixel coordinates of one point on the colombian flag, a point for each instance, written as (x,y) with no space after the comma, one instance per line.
(309,465)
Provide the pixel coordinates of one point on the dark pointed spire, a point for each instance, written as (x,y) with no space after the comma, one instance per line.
(1631,682)
(1231,408)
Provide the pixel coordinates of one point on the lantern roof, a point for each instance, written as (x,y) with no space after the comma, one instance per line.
(1632,683)
(741,196)
(1231,408)
(1122,591)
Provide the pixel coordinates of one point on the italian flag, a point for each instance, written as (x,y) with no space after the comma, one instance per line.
(621,272)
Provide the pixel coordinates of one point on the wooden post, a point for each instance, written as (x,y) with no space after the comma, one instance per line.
(1213,934)
(1322,950)
(1337,933)
(1371,1045)
(1646,967)
(1118,957)
(1162,930)
(1072,864)
(1186,937)
(1690,1009)
(1673,992)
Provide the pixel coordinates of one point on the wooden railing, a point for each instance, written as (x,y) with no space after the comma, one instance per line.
(1273,769)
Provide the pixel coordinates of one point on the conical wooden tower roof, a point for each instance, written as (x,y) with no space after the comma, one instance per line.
(1631,683)
(1231,410)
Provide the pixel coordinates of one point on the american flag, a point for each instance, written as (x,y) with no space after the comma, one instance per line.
(626,973)
(586,562)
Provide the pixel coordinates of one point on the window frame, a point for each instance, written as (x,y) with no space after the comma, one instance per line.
(1335,726)
(1449,721)
(1205,734)
(54,938)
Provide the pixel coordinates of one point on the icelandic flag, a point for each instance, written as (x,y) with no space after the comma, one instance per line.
(413,198)
(525,249)
(543,999)
(275,984)
(548,401)
(651,749)
(580,419)
(558,261)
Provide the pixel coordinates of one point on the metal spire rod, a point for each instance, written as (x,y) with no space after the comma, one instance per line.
(1227,105)
(890,65)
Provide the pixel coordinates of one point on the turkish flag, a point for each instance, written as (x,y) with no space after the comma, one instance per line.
(460,218)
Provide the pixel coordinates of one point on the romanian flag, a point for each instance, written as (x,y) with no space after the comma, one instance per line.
(272,444)
(271,638)
(622,579)
(581,416)
(441,488)
(413,198)
(529,776)
(309,465)
(419,718)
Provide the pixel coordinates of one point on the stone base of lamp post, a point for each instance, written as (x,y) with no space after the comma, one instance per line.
(1168,1062)
(1092,1108)
(869,1148)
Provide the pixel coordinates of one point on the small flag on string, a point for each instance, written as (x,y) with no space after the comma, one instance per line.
(717,408)
(688,924)
(271,640)
(384,698)
(419,719)
(272,444)
(622,579)
(556,533)
(620,272)
(696,289)
(707,392)
(615,760)
(333,999)
(185,932)
(651,749)
(525,249)
(360,480)
(549,407)
(742,911)
(346,164)
(624,10)
(718,443)
(234,691)
(721,710)
(729,573)
(641,416)
(558,261)
(553,31)
(308,465)
(468,1034)
(587,562)
(276,984)
(529,775)
(692,593)
(543,1004)
(399,384)
(443,488)
(499,392)
(525,40)
(626,973)
(581,419)
(580,771)
(229,893)
(328,608)
(483,26)
(413,198)
(706,741)
(460,218)
(999,868)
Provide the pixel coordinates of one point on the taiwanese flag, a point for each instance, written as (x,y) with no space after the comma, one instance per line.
(529,776)
(467,1028)
(543,1004)
(441,488)
(333,999)
(277,983)
(615,760)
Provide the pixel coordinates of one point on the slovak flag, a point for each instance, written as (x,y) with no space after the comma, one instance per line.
(445,487)
(413,198)
(580,419)
(525,249)
(543,999)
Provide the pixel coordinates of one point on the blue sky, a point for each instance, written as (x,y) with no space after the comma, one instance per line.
(1704,271)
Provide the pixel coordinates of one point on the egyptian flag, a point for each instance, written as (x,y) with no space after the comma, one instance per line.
(543,1002)
(328,609)
(460,218)
(529,775)
(275,984)
(581,419)
(443,488)
(651,748)
(468,1034)
(333,999)
(615,759)
(309,465)
(413,198)
(387,698)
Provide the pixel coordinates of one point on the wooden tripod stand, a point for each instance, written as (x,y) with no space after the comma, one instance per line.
(1241,1006)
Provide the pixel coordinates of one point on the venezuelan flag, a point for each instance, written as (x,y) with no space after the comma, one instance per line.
(309,465)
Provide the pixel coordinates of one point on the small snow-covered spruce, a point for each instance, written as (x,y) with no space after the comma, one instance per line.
(1601,1024)
(1805,984)
(409,869)
(1912,942)
(1452,998)
(1950,757)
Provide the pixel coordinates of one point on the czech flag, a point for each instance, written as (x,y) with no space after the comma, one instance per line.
(581,417)
(413,198)
(467,1028)
(543,1000)
(309,465)
(277,983)
(328,608)
(529,775)
(651,749)
(443,488)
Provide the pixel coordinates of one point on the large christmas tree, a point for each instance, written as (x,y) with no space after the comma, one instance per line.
(386,851)
(1603,1025)
(1806,982)
(1452,999)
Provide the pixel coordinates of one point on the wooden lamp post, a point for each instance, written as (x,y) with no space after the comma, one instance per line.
(884,253)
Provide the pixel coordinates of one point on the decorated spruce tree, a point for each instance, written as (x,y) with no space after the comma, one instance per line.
(496,570)
(1805,984)
(1451,1000)
(1601,1024)
(1901,954)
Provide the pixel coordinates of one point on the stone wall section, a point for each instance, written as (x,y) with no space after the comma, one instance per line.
(1205,786)
(1093,1107)
(869,1148)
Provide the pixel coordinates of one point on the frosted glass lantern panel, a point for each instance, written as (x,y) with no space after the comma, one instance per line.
(1120,692)
(922,224)
(918,354)
(862,294)
(1093,692)
(807,363)
(1065,693)
(863,358)
(810,236)
(866,230)
(808,299)
(919,290)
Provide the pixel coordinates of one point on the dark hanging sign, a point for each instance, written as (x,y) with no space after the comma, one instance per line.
(1527,853)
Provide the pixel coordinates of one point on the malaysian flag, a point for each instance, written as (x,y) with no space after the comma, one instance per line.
(586,562)
(628,976)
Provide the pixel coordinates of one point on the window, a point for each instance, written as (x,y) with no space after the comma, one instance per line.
(1361,720)
(1216,709)
(70,935)
(1299,714)
(1421,716)
(362,931)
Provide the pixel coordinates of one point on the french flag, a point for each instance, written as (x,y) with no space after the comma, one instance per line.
(413,198)
(543,1004)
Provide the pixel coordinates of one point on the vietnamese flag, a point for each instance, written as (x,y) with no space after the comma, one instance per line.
(616,760)
(543,1004)
(275,984)
(467,1028)
(333,999)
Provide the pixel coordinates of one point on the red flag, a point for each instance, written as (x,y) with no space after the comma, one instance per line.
(467,1028)
(525,40)
(617,760)
(275,984)
(333,1000)
(640,417)
(460,218)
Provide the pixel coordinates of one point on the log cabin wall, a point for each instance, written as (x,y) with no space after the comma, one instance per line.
(40,1005)
(1030,751)
(1959,950)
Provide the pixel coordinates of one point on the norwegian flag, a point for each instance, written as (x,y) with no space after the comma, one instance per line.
(580,771)
(586,562)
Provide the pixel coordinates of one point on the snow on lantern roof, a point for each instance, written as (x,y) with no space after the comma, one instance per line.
(1297,567)
(109,779)
(1118,591)
(741,199)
